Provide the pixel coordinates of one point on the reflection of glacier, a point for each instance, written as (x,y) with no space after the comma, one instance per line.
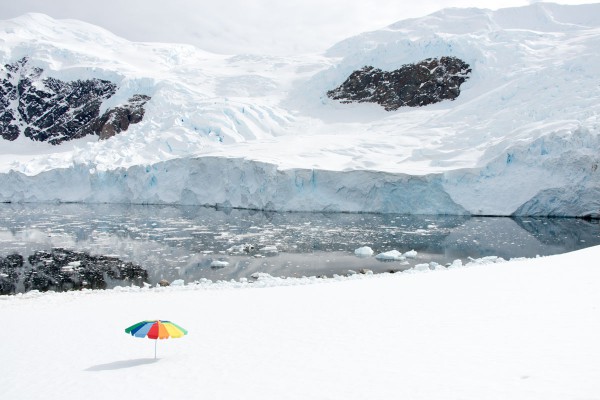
(561,232)
(520,237)
(182,242)
(500,237)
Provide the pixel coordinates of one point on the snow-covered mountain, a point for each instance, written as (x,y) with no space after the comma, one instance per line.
(521,135)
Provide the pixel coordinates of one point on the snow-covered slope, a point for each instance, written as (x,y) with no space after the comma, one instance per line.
(260,132)
(524,329)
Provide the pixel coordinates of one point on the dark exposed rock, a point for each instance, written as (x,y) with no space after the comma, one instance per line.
(11,268)
(48,109)
(61,269)
(414,85)
(118,119)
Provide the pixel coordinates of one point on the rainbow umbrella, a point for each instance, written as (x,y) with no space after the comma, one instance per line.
(156,329)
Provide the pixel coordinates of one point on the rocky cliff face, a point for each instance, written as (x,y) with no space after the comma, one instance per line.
(48,109)
(118,119)
(413,85)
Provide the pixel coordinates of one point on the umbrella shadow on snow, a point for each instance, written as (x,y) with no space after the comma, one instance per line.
(122,364)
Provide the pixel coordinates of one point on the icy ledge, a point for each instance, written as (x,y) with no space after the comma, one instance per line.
(555,175)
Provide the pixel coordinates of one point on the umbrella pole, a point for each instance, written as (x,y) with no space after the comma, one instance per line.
(155,340)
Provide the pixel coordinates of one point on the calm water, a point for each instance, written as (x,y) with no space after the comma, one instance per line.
(185,242)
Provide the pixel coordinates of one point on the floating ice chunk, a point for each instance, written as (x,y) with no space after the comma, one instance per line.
(435,266)
(364,251)
(421,267)
(236,249)
(269,249)
(486,260)
(241,248)
(410,254)
(219,264)
(393,255)
(261,275)
(429,266)
(456,264)
(178,282)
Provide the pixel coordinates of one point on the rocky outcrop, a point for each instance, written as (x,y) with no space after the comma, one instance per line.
(48,109)
(413,85)
(62,269)
(118,119)
(11,268)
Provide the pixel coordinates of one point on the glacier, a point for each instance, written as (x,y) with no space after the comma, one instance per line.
(235,183)
(259,132)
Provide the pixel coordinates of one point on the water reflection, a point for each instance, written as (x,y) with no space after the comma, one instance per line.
(190,243)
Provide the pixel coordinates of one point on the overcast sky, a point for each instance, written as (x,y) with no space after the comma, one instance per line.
(245,26)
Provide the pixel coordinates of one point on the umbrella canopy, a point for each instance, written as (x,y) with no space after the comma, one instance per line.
(156,329)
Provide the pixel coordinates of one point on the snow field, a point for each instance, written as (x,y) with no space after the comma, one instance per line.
(518,329)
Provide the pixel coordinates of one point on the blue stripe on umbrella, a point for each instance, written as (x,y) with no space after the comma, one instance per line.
(133,329)
(143,330)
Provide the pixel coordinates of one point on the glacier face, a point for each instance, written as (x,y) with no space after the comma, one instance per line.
(260,132)
(554,175)
(549,177)
(233,182)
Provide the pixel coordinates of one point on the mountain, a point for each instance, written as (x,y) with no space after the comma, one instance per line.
(464,111)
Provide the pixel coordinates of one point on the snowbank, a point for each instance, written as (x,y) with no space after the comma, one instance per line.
(518,329)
